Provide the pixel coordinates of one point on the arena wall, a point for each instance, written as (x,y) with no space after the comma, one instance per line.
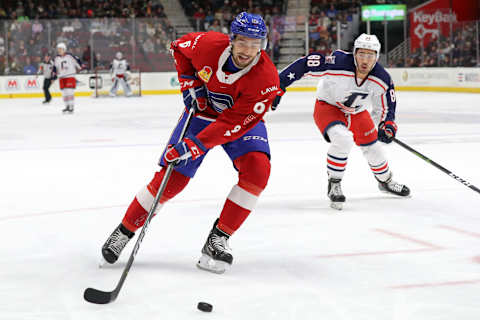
(407,79)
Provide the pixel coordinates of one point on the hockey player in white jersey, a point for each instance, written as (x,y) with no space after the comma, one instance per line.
(65,67)
(119,69)
(355,103)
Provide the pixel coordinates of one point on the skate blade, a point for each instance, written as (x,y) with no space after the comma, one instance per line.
(336,205)
(394,194)
(206,263)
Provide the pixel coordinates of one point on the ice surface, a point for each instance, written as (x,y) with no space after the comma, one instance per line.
(66,181)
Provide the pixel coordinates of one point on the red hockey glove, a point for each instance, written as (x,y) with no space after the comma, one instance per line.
(387,131)
(188,149)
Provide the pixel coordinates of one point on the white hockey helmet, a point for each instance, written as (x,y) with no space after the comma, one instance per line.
(62,45)
(367,41)
(118,55)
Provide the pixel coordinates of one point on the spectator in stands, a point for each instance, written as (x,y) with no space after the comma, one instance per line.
(331,12)
(21,50)
(3,13)
(14,67)
(148,45)
(99,62)
(29,68)
(86,57)
(215,26)
(37,27)
(2,46)
(199,14)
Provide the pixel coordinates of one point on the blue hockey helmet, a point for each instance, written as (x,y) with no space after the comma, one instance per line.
(249,25)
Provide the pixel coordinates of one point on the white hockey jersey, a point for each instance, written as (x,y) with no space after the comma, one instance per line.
(338,85)
(66,66)
(119,67)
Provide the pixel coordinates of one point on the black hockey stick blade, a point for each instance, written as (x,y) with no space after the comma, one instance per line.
(98,296)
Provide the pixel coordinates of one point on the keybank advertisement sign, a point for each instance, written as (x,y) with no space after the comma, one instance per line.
(384,12)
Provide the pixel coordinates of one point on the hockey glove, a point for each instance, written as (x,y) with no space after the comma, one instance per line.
(188,149)
(198,100)
(277,99)
(387,131)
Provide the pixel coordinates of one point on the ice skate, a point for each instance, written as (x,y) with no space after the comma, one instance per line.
(391,186)
(337,199)
(68,110)
(216,254)
(116,243)
(45,101)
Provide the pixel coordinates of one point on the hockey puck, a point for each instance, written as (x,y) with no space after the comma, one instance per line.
(205,307)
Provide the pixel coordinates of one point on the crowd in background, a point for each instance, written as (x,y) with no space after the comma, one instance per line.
(33,29)
(216,15)
(96,30)
(323,26)
(457,51)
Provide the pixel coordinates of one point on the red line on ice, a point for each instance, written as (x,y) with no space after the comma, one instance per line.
(373,253)
(401,236)
(470,233)
(437,284)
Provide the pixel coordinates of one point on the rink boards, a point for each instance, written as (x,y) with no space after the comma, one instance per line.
(407,79)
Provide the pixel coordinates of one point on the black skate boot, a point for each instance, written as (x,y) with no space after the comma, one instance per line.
(335,194)
(216,254)
(393,187)
(115,243)
(68,110)
(45,101)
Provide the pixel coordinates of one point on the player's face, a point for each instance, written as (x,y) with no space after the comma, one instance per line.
(60,51)
(244,50)
(366,59)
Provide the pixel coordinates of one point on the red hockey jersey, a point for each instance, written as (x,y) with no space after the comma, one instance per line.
(237,101)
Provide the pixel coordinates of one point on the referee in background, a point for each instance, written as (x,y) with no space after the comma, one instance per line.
(46,67)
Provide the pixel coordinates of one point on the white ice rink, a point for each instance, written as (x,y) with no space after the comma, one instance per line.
(66,180)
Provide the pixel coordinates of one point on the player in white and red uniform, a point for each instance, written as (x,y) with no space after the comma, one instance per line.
(355,95)
(119,69)
(65,67)
(231,82)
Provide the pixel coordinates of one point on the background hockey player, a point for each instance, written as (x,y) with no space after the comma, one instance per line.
(232,82)
(119,68)
(350,85)
(46,67)
(66,66)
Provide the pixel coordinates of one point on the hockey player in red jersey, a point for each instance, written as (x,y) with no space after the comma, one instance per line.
(231,82)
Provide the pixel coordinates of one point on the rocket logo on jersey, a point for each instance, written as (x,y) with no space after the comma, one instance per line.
(205,73)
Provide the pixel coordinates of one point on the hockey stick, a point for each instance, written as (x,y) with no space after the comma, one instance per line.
(103,297)
(433,163)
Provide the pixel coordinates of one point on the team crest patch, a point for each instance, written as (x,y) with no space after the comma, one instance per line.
(330,59)
(205,73)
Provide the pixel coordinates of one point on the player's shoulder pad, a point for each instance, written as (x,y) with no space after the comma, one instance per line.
(380,72)
(263,78)
(199,40)
(340,60)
